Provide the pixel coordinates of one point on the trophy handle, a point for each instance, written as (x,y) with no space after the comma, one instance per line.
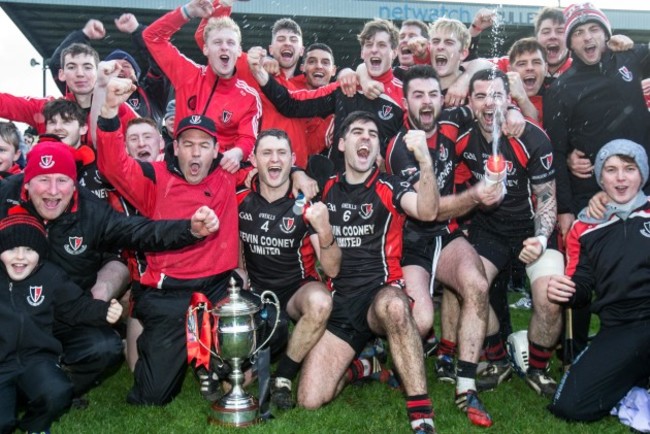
(206,309)
(276,303)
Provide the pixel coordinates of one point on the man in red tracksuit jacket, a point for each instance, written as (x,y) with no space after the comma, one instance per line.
(214,90)
(171,189)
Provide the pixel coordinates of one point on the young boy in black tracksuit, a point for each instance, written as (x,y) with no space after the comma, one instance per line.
(32,293)
(607,254)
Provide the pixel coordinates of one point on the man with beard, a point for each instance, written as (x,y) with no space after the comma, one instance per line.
(438,250)
(215,90)
(598,109)
(520,227)
(367,211)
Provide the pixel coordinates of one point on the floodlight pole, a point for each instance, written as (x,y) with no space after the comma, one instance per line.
(44,68)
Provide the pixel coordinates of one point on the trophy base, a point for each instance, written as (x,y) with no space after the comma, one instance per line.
(243,412)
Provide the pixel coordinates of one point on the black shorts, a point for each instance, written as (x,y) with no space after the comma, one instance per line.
(284,294)
(423,252)
(349,318)
(500,249)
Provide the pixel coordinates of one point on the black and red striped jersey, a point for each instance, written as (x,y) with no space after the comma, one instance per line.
(442,148)
(529,161)
(277,249)
(367,222)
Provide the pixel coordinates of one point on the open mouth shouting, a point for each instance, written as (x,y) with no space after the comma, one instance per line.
(287,55)
(441,61)
(622,190)
(51,204)
(530,82)
(488,118)
(195,168)
(224,60)
(426,117)
(375,63)
(553,51)
(590,50)
(363,152)
(275,172)
(143,155)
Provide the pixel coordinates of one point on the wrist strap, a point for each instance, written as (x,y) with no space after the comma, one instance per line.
(185,12)
(330,244)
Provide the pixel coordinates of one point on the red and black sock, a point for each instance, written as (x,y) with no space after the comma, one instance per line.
(538,356)
(446,348)
(419,409)
(358,369)
(495,351)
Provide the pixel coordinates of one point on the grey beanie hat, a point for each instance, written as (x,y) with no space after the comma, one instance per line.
(171,109)
(622,147)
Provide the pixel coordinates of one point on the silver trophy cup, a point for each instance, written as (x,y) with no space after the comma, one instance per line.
(236,340)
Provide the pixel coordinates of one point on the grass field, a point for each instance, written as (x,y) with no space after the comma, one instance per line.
(372,408)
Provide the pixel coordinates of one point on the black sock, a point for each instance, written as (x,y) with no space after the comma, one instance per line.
(287,368)
(466,369)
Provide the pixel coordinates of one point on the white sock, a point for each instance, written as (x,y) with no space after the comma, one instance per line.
(463,384)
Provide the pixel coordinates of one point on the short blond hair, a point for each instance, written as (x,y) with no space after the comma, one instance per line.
(220,23)
(453,27)
(371,28)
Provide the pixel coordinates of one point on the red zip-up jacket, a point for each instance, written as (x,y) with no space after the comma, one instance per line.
(30,111)
(231,103)
(308,136)
(159,191)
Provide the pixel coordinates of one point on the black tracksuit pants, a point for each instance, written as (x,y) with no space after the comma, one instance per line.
(616,360)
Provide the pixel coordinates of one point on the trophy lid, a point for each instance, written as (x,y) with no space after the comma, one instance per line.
(235,304)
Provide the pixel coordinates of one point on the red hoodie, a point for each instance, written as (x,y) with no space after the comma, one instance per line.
(231,103)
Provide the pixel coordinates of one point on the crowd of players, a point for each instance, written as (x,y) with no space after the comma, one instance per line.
(444,169)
